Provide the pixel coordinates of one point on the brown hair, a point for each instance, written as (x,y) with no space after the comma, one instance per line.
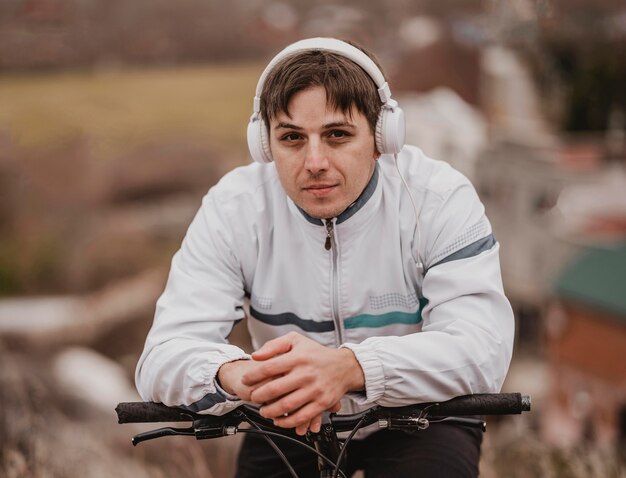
(347,85)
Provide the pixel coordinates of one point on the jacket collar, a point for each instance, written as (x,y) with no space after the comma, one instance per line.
(353,208)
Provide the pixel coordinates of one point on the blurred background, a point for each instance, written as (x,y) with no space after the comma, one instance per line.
(116,117)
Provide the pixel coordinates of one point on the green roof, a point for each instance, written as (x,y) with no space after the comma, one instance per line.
(596,278)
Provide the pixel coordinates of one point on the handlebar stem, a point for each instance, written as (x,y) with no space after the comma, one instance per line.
(326,443)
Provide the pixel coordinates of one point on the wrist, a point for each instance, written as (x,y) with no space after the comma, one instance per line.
(224,376)
(355,379)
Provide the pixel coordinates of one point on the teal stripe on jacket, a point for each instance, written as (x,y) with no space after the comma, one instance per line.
(363,320)
(390,318)
(373,321)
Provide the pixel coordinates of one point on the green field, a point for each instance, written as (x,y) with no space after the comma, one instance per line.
(120,108)
(54,126)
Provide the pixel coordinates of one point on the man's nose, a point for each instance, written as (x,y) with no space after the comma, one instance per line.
(316,159)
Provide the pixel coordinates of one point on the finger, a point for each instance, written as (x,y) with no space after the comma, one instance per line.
(272,368)
(245,392)
(274,347)
(316,424)
(300,417)
(272,390)
(302,429)
(335,408)
(289,403)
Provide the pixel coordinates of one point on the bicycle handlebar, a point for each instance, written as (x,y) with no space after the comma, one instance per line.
(149,412)
(412,417)
(477,404)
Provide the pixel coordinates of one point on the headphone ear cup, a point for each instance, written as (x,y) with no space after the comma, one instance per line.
(390,130)
(258,143)
(265,143)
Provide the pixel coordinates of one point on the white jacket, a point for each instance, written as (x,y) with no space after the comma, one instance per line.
(419,333)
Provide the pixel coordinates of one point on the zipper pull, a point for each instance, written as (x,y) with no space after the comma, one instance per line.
(329,232)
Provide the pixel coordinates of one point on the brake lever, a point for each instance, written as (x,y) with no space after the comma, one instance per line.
(202,428)
(161,432)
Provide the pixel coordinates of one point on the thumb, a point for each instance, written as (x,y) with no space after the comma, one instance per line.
(274,347)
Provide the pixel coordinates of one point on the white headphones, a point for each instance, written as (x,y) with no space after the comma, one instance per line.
(390,127)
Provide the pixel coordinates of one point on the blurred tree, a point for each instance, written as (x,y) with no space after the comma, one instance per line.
(579,59)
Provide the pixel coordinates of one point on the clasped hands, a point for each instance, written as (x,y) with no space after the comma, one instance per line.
(294,379)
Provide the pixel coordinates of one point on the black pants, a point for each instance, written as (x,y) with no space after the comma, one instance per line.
(445,451)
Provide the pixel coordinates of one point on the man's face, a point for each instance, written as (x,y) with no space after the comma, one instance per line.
(324,157)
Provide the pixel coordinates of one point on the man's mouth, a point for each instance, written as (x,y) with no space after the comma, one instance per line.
(320,190)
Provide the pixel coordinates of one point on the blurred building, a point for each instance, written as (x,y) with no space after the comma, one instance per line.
(586,339)
(445,127)
(558,208)
(547,203)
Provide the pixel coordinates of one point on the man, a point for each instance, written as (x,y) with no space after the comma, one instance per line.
(373,277)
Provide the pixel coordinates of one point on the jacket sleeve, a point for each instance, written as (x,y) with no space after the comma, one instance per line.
(202,301)
(466,341)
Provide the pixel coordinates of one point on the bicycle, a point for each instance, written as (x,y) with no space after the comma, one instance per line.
(328,447)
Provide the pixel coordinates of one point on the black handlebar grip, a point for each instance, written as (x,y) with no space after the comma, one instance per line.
(146,412)
(483,404)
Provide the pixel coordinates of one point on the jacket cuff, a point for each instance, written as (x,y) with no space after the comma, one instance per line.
(223,392)
(372,371)
(214,399)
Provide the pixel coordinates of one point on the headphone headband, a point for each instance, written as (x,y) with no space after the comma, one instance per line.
(327,44)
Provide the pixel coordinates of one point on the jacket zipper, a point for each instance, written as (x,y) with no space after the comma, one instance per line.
(329,234)
(334,286)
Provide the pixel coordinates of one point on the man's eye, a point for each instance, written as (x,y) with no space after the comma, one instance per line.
(291,137)
(337,134)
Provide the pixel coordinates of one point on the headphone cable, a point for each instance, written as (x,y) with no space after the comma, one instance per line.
(420,265)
